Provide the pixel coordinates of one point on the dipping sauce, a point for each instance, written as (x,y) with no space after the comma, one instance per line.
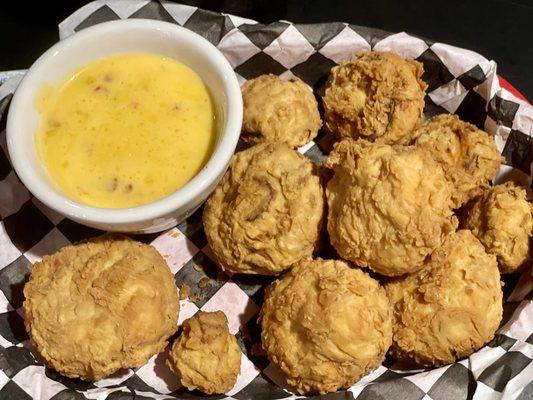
(125,130)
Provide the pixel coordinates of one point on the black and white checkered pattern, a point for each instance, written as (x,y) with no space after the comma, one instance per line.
(460,81)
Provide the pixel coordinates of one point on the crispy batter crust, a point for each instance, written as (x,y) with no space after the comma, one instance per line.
(467,154)
(449,309)
(96,307)
(325,325)
(267,211)
(377,96)
(206,356)
(501,218)
(278,111)
(389,206)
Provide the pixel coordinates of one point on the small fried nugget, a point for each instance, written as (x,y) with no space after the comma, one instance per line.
(206,356)
(449,309)
(467,154)
(267,211)
(100,306)
(501,218)
(278,111)
(377,96)
(389,206)
(325,325)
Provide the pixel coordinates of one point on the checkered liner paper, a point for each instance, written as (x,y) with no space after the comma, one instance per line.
(460,81)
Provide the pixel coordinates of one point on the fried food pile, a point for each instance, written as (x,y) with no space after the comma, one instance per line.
(325,324)
(467,154)
(278,111)
(206,356)
(394,186)
(100,306)
(376,96)
(450,309)
(386,197)
(389,206)
(267,211)
(501,218)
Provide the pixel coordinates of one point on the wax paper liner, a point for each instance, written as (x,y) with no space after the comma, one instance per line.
(460,81)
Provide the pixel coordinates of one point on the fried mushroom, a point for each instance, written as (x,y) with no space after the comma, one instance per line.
(501,218)
(100,306)
(267,211)
(467,154)
(389,206)
(325,325)
(279,111)
(449,309)
(376,96)
(206,356)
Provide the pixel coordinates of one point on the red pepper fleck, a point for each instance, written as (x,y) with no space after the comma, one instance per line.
(128,188)
(135,104)
(113,185)
(176,107)
(100,88)
(81,191)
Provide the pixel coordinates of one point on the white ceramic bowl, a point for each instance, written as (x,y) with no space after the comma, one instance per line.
(135,35)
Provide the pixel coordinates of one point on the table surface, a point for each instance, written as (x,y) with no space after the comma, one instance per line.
(501,30)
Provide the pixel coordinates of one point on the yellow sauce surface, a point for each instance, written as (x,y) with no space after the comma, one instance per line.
(125,130)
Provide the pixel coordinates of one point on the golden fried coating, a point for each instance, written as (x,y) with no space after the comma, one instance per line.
(267,211)
(96,307)
(501,218)
(278,111)
(325,325)
(206,356)
(467,154)
(449,309)
(389,206)
(377,96)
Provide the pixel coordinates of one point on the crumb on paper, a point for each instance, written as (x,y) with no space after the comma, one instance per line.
(203,282)
(184,291)
(257,349)
(196,297)
(198,268)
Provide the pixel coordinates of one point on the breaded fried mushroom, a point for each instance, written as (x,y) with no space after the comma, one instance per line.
(267,211)
(389,206)
(501,218)
(206,356)
(100,306)
(449,309)
(376,96)
(279,111)
(325,325)
(467,154)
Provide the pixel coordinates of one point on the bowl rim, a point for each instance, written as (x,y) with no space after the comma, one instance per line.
(187,194)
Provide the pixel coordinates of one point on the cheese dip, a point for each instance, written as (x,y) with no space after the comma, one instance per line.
(125,130)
